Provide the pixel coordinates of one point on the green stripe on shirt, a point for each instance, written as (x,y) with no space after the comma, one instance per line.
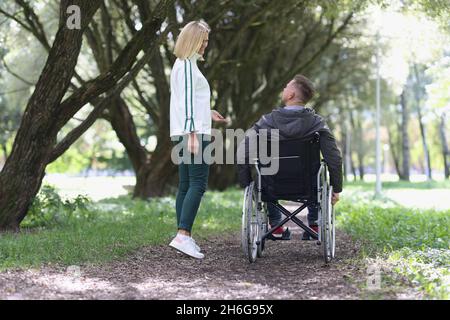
(192,128)
(185,94)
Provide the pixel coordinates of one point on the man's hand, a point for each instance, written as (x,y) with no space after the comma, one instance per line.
(334,198)
(217,117)
(193,143)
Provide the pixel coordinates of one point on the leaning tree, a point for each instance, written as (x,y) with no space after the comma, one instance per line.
(49,109)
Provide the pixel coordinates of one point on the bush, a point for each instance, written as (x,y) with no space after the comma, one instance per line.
(48,210)
(395,228)
(79,231)
(413,242)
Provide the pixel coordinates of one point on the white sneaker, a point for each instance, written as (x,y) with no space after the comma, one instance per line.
(186,246)
(196,245)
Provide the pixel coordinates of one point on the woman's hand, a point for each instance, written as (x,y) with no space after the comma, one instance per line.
(193,144)
(217,117)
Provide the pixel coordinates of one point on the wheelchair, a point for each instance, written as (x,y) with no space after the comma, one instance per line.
(302,178)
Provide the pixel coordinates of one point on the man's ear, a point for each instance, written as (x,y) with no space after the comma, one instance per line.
(292,96)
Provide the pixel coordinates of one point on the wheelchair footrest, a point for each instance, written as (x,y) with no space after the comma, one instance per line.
(286,235)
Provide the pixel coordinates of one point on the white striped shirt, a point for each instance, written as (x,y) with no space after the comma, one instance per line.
(190,99)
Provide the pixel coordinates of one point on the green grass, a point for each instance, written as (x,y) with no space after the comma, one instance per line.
(414,243)
(113,228)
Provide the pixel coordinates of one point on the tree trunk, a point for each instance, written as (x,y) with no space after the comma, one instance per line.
(445,150)
(123,125)
(45,114)
(155,172)
(360,149)
(344,151)
(222,177)
(405,138)
(418,91)
(24,169)
(348,151)
(425,146)
(394,154)
(155,176)
(352,164)
(361,165)
(148,181)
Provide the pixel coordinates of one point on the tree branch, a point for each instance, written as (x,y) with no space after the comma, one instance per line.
(13,17)
(113,92)
(35,27)
(151,108)
(15,74)
(144,39)
(289,75)
(34,23)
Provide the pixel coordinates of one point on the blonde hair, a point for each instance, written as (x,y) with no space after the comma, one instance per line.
(191,39)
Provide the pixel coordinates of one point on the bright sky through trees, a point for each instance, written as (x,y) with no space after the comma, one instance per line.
(407,38)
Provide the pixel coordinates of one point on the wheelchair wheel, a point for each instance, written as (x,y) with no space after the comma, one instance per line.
(251,225)
(333,225)
(328,226)
(262,215)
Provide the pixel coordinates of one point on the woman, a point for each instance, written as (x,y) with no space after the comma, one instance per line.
(190,122)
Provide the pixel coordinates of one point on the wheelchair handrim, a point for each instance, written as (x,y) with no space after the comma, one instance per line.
(250,224)
(329,227)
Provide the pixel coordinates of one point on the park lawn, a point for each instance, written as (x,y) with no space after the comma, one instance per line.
(85,232)
(412,243)
(408,242)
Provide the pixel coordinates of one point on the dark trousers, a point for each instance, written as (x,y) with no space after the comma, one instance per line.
(193,180)
(275,215)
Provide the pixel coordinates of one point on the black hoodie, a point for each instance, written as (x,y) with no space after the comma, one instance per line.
(298,124)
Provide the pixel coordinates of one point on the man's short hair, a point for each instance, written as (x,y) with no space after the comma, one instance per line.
(305,87)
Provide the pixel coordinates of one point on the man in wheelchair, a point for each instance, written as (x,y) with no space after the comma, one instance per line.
(295,121)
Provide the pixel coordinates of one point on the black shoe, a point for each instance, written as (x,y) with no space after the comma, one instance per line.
(286,234)
(306,236)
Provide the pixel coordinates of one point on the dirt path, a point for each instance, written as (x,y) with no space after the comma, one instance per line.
(289,270)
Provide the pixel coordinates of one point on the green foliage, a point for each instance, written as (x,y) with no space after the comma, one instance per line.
(96,149)
(72,161)
(438,9)
(396,227)
(111,228)
(429,269)
(117,161)
(49,210)
(221,211)
(414,243)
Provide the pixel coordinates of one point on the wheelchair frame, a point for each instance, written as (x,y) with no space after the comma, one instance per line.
(255,221)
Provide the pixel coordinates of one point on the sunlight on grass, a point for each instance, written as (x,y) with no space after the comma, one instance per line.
(110,229)
(413,242)
(429,269)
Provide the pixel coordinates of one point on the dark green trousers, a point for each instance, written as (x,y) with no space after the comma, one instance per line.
(193,180)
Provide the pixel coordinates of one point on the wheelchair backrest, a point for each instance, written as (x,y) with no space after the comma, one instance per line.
(299,163)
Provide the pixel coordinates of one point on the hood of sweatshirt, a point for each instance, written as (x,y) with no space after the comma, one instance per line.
(293,123)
